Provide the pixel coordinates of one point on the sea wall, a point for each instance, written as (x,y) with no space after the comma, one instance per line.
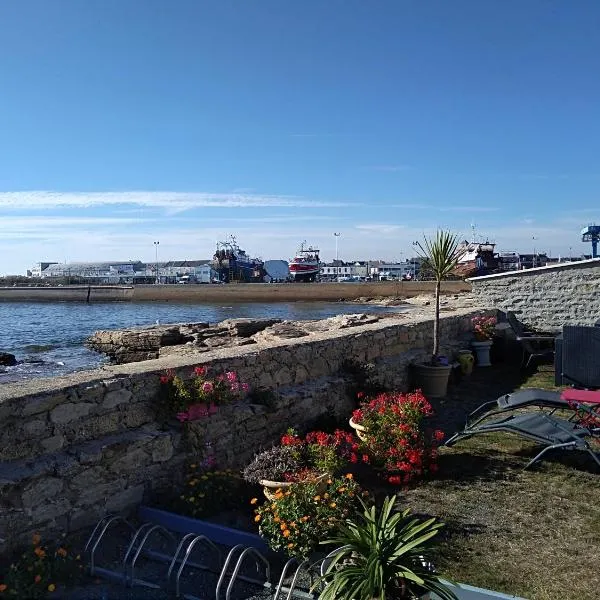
(546,297)
(74,448)
(231,293)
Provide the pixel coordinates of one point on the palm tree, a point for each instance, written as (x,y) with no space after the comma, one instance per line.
(441,255)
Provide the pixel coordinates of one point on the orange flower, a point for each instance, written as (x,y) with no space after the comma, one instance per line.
(286,533)
(333,505)
(291,545)
(257,518)
(3,587)
(61,552)
(349,476)
(39,551)
(36,539)
(317,498)
(38,578)
(51,587)
(276,519)
(304,519)
(254,501)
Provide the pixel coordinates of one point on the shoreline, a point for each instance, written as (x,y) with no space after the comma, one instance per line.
(233,292)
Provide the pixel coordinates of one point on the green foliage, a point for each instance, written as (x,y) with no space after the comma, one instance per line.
(209,492)
(40,570)
(382,554)
(362,378)
(297,519)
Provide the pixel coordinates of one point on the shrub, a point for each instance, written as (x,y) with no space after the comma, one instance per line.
(40,570)
(297,519)
(395,440)
(484,328)
(198,397)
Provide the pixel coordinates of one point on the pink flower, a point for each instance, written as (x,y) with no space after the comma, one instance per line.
(235,387)
(182,416)
(231,376)
(245,387)
(200,371)
(208,387)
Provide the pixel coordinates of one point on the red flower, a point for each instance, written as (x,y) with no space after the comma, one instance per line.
(200,371)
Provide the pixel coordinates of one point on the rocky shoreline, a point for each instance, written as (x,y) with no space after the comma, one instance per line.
(147,343)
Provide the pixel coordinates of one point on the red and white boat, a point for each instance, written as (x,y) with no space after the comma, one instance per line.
(305,265)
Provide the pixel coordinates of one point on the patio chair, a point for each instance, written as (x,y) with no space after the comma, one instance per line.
(535,346)
(544,429)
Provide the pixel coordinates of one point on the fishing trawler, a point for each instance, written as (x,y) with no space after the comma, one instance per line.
(305,265)
(233,264)
(476,259)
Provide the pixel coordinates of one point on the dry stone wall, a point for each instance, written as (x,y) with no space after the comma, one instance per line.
(73,449)
(545,298)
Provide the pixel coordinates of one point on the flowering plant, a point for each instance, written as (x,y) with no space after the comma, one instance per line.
(40,570)
(484,328)
(199,396)
(301,459)
(300,517)
(394,439)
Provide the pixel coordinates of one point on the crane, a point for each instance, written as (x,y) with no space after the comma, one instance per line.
(591,233)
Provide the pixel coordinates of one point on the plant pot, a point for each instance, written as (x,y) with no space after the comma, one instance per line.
(482,351)
(360,430)
(466,361)
(270,487)
(432,379)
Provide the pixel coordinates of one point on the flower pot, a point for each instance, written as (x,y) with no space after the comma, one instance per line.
(432,379)
(466,361)
(360,430)
(482,351)
(270,487)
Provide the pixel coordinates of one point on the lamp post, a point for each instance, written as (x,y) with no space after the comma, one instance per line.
(337,266)
(534,261)
(570,253)
(156,261)
(414,273)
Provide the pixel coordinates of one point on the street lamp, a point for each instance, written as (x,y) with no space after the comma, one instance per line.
(414,273)
(533,261)
(337,265)
(156,261)
(570,253)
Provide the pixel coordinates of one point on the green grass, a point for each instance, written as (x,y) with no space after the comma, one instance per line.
(531,533)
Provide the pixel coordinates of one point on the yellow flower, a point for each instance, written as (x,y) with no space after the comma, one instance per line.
(317,498)
(51,587)
(274,505)
(78,557)
(257,518)
(36,539)
(326,495)
(333,505)
(254,501)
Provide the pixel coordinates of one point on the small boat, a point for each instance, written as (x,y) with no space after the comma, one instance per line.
(305,266)
(233,264)
(476,259)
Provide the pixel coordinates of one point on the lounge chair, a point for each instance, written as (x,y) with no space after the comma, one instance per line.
(544,429)
(535,346)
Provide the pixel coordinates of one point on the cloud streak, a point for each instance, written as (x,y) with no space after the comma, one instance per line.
(172,201)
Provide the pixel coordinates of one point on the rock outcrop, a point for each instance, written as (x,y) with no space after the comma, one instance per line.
(134,345)
(7,359)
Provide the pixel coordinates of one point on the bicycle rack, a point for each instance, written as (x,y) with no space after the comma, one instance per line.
(196,539)
(258,557)
(148,532)
(96,537)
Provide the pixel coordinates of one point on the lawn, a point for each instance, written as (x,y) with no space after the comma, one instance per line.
(530,533)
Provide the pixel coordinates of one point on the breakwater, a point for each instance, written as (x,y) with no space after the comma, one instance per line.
(231,293)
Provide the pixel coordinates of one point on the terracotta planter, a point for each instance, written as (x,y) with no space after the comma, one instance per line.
(360,430)
(270,487)
(432,379)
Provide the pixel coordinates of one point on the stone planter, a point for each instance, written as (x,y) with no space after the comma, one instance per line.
(270,487)
(360,430)
(432,379)
(482,351)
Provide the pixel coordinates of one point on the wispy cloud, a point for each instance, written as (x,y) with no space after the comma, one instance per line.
(379,228)
(172,201)
(446,207)
(391,168)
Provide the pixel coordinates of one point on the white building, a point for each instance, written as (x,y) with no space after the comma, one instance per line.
(390,271)
(339,269)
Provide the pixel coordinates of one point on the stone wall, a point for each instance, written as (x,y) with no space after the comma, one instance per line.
(75,448)
(545,298)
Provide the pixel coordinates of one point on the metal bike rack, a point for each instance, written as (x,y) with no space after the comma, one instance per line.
(258,557)
(96,537)
(149,531)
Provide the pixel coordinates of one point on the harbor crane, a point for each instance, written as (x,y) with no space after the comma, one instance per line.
(591,233)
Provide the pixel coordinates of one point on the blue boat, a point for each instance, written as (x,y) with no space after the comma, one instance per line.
(233,264)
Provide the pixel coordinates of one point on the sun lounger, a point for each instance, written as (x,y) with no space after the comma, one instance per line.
(539,427)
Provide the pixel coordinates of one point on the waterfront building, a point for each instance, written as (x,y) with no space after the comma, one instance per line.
(344,271)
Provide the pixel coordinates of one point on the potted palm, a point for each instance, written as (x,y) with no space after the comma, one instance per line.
(382,555)
(440,255)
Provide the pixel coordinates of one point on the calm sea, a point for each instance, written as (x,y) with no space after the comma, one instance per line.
(48,339)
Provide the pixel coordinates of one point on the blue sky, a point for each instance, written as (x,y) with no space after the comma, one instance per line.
(123,122)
